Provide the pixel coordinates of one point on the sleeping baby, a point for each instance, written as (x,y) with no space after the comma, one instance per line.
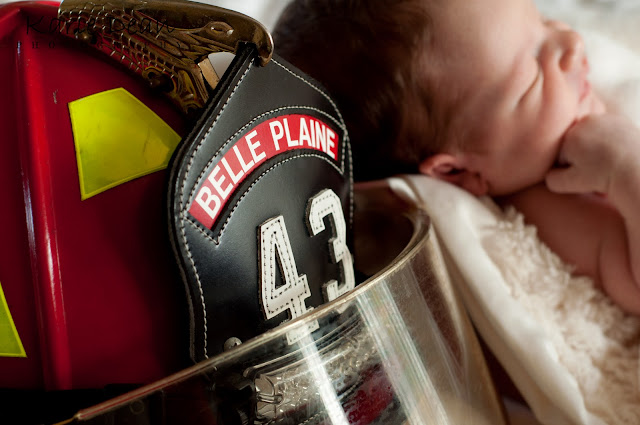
(489,96)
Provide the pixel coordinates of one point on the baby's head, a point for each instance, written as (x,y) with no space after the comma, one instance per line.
(476,93)
(367,53)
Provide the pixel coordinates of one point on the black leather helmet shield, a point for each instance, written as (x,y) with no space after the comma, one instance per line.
(260,204)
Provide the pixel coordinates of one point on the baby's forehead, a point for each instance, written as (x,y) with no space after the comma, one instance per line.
(473,45)
(467,22)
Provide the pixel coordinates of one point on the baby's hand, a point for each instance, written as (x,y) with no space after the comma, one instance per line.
(599,152)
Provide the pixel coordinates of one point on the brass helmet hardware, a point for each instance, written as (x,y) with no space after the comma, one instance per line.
(166,42)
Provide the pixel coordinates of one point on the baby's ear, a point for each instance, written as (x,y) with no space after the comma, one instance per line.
(452,169)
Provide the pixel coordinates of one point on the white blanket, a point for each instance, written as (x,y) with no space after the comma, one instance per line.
(573,354)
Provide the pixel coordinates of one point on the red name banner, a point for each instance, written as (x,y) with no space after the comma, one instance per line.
(263,142)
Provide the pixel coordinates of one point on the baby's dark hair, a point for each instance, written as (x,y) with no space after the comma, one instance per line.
(367,53)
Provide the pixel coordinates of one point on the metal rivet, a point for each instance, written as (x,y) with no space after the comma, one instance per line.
(231,343)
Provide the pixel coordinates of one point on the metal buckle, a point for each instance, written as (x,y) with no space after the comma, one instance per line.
(166,42)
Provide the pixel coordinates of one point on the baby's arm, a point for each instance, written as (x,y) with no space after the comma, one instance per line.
(603,157)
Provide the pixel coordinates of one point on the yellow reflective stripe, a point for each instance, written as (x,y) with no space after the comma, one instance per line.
(10,344)
(117,139)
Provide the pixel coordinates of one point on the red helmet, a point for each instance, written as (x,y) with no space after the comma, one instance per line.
(90,294)
(86,274)
(93,297)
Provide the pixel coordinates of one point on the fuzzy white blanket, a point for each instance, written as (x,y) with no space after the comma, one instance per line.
(573,354)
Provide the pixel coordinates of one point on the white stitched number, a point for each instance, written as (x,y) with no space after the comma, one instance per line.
(327,203)
(276,254)
(274,243)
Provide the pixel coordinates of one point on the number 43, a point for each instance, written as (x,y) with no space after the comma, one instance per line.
(276,253)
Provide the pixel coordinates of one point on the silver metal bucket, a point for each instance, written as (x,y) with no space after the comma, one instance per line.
(398,349)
